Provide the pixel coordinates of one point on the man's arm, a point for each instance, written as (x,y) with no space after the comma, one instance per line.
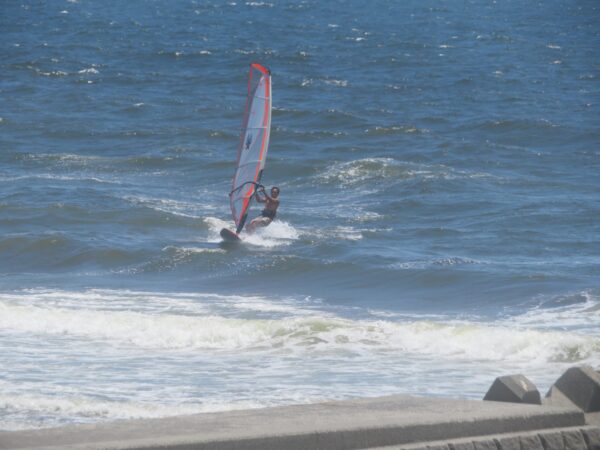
(267,196)
(258,199)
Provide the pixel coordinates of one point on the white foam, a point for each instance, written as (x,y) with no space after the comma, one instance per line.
(50,409)
(292,343)
(472,341)
(260,4)
(582,315)
(91,70)
(152,302)
(367,216)
(127,328)
(63,157)
(339,83)
(353,172)
(215,225)
(395,128)
(190,321)
(186,251)
(54,73)
(348,233)
(424,264)
(171,206)
(276,234)
(373,170)
(47,176)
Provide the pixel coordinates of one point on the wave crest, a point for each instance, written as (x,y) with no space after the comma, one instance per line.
(371,170)
(196,322)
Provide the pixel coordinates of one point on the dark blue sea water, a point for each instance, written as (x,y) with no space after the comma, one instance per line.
(440,217)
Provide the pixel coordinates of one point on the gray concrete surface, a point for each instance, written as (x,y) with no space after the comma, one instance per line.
(353,424)
(593,419)
(573,438)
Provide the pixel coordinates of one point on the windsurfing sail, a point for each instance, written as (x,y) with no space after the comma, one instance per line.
(254,143)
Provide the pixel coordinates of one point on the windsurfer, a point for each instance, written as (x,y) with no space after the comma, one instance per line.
(268,213)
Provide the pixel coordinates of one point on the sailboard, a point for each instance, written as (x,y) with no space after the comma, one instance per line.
(253,145)
(229,236)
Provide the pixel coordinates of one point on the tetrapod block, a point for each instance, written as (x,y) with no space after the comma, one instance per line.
(513,389)
(581,385)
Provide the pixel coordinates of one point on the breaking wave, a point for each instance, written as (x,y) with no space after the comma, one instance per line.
(372,170)
(194,321)
(172,335)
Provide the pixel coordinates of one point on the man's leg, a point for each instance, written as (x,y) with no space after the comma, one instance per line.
(259,222)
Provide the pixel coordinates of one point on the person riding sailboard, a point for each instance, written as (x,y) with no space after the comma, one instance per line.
(252,154)
(268,213)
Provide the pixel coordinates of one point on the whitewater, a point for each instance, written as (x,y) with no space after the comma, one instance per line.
(146,354)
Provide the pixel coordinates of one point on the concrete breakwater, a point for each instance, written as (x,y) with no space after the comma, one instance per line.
(513,416)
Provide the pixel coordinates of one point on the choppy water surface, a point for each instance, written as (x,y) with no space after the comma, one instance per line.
(439,225)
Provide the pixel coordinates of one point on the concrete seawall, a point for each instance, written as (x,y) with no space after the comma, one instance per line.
(354,424)
(568,419)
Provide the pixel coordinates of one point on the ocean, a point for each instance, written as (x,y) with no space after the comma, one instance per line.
(440,203)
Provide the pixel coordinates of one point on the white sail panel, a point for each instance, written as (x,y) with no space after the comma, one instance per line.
(254,143)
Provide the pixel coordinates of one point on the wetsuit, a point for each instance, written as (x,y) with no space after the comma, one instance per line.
(268,214)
